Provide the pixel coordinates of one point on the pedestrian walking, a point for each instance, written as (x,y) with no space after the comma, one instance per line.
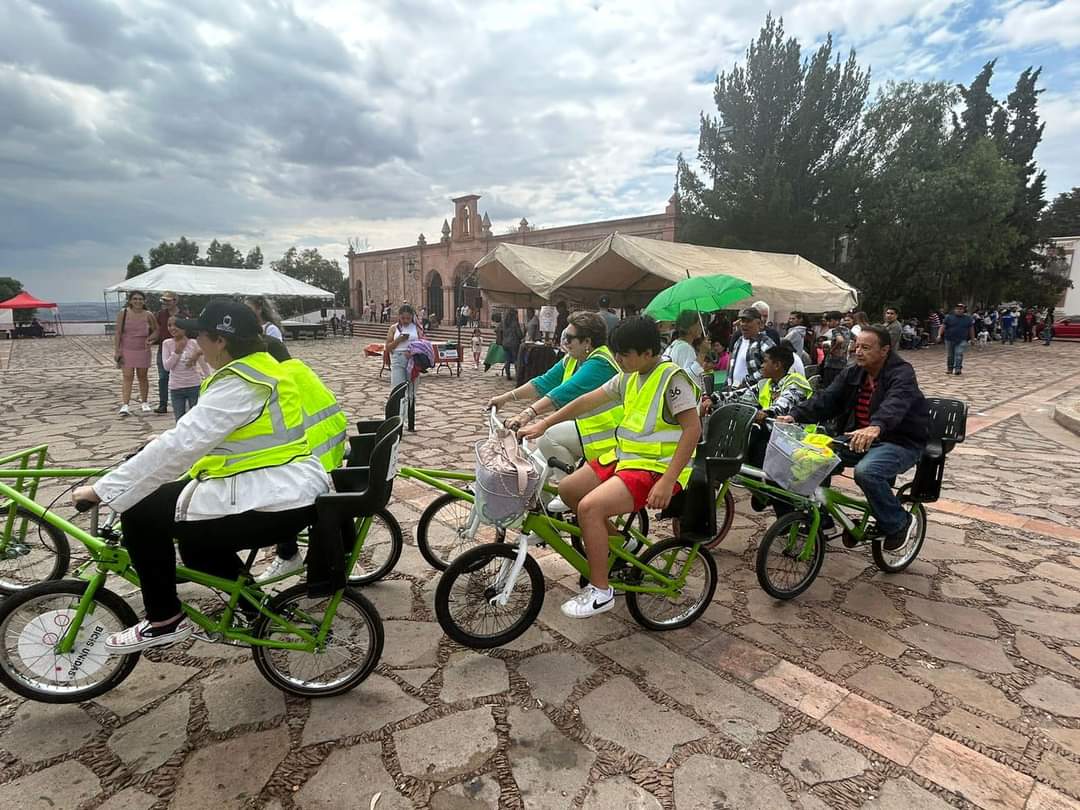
(957,331)
(170,308)
(135,333)
(477,346)
(1008,326)
(266,312)
(187,369)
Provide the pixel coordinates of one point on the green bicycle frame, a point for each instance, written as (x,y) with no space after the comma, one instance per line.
(107,558)
(551,531)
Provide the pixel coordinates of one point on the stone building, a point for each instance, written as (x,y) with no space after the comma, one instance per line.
(441,275)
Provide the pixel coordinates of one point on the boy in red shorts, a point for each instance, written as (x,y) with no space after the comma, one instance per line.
(655,443)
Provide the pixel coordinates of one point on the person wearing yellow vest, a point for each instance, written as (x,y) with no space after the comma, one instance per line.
(654,445)
(235,473)
(325,426)
(778,391)
(587,365)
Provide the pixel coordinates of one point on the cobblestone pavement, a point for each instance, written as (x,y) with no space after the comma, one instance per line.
(956,683)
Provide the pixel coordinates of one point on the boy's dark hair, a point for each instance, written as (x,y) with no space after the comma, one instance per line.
(833,315)
(783,355)
(638,334)
(276,349)
(238,347)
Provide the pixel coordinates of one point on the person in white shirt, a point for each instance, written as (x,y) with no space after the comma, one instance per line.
(681,350)
(267,313)
(211,515)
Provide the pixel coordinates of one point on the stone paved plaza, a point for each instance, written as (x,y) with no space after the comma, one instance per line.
(956,683)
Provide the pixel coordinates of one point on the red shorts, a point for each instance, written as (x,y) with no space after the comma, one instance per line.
(638,482)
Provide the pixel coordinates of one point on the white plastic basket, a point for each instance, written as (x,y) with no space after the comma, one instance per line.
(794,464)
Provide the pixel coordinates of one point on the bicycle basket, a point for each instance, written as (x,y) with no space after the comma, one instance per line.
(796,462)
(507,480)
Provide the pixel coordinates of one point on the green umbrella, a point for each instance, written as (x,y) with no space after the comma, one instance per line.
(698,294)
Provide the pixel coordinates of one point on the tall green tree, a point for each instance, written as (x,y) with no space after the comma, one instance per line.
(1062,216)
(254,259)
(9,287)
(182,251)
(309,266)
(776,161)
(136,267)
(222,254)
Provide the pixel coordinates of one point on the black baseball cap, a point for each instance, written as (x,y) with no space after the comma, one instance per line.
(223,317)
(750,314)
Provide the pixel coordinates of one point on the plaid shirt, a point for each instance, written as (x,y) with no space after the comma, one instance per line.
(755,356)
(788,392)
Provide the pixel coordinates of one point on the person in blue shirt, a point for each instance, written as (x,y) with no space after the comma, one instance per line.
(587,365)
(1008,326)
(957,331)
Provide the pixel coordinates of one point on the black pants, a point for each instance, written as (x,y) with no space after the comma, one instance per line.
(209,546)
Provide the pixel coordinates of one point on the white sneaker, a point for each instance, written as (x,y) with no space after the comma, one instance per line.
(141,637)
(589,602)
(556,505)
(147,408)
(125,410)
(280,567)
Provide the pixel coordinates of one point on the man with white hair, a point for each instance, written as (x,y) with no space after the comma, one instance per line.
(766,321)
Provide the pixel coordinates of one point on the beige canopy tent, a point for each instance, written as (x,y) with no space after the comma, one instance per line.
(521,276)
(631,269)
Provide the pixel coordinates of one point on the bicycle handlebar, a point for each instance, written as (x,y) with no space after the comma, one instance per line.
(85,506)
(560,465)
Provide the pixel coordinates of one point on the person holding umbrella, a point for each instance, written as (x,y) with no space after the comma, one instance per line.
(681,350)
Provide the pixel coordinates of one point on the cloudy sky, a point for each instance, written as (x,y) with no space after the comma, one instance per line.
(269,122)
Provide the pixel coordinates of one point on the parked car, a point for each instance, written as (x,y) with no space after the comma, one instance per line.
(1068,327)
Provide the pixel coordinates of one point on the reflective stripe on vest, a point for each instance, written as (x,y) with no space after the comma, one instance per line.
(325,424)
(644,439)
(765,395)
(597,427)
(276,436)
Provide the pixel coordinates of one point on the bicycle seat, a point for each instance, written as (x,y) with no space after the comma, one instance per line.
(361,492)
(948,427)
(361,445)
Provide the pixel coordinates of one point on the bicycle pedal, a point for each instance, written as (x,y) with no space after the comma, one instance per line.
(209,638)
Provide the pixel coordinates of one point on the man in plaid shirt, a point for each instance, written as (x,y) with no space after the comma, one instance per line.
(748,351)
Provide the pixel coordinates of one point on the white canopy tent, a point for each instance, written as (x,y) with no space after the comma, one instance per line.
(520,276)
(184,279)
(631,269)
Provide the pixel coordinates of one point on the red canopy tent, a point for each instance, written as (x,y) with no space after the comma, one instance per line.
(25,300)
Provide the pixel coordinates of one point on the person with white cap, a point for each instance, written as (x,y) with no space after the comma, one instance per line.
(766,321)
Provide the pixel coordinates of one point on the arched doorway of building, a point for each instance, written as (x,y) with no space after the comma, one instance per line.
(466,287)
(359,305)
(435,296)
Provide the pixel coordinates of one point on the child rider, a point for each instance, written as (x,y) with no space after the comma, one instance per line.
(655,443)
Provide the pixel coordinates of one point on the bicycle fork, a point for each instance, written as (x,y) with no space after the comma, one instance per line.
(509,572)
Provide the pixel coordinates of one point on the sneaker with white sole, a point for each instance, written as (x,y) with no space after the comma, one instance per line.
(280,567)
(147,407)
(589,602)
(125,410)
(143,636)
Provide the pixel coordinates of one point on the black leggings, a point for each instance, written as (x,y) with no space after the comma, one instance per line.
(209,546)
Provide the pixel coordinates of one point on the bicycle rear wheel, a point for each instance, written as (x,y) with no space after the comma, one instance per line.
(381,551)
(465,600)
(442,531)
(36,552)
(725,516)
(32,622)
(672,556)
(353,645)
(787,560)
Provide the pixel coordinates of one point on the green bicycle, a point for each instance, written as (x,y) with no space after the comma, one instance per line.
(792,550)
(52,633)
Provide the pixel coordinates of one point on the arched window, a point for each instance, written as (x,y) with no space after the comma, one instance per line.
(466,221)
(435,295)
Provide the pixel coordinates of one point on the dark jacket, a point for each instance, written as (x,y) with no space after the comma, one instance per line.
(898,407)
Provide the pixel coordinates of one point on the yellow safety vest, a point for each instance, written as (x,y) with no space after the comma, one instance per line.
(325,424)
(597,427)
(645,439)
(765,395)
(276,436)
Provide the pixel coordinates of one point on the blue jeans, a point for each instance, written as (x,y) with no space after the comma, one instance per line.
(183,400)
(954,354)
(875,473)
(162,383)
(1047,335)
(1008,333)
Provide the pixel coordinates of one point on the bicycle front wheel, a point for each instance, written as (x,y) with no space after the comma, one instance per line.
(672,557)
(381,550)
(352,649)
(442,533)
(35,552)
(788,561)
(467,598)
(33,621)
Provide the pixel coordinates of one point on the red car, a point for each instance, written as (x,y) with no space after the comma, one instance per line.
(1068,327)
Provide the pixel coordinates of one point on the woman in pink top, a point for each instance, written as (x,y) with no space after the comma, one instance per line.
(187,369)
(136,330)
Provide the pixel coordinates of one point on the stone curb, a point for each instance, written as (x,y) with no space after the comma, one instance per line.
(1067,417)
